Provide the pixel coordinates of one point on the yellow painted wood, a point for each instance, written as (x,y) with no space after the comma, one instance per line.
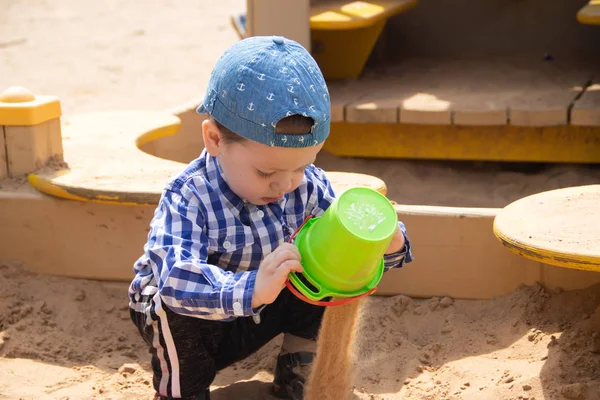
(154,134)
(590,13)
(340,182)
(559,227)
(343,33)
(105,165)
(343,15)
(19,107)
(493,143)
(47,186)
(343,54)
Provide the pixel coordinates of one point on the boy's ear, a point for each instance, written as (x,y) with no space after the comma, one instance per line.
(212,137)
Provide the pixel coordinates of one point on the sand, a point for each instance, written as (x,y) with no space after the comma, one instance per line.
(331,375)
(72,339)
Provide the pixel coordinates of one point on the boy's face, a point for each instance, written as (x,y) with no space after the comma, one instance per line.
(256,172)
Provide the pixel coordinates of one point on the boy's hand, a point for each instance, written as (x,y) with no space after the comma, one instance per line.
(273,272)
(397,242)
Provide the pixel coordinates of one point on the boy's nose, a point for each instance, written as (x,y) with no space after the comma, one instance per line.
(282,186)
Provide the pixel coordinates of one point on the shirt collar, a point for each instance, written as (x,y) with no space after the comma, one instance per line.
(216,178)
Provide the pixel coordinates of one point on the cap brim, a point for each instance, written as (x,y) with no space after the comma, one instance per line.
(201,109)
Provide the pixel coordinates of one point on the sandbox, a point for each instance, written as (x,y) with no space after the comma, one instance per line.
(458,322)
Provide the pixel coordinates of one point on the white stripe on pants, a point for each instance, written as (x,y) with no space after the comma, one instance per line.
(171,352)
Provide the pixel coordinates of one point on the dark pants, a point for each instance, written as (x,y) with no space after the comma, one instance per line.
(187,352)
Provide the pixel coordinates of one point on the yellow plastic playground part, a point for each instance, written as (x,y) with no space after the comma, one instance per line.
(344,34)
(590,13)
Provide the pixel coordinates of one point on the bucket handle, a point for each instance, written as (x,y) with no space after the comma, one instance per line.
(294,278)
(330,303)
(299,295)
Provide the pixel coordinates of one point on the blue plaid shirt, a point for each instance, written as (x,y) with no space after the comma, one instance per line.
(206,243)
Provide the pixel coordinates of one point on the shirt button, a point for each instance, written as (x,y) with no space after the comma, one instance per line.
(260,213)
(237,306)
(226,244)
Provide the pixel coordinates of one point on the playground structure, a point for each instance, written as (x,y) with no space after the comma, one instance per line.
(85,208)
(408,79)
(458,80)
(78,238)
(590,13)
(558,227)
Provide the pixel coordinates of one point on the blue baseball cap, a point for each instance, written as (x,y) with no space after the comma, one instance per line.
(262,79)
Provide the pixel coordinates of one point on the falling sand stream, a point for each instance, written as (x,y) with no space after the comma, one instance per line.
(331,375)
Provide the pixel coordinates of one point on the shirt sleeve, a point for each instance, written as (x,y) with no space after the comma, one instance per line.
(177,251)
(402,257)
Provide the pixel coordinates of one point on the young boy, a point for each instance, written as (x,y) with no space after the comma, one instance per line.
(210,288)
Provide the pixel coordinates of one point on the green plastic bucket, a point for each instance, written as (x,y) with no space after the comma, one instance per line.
(342,251)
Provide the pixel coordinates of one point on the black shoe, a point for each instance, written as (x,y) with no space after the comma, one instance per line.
(202,396)
(290,375)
